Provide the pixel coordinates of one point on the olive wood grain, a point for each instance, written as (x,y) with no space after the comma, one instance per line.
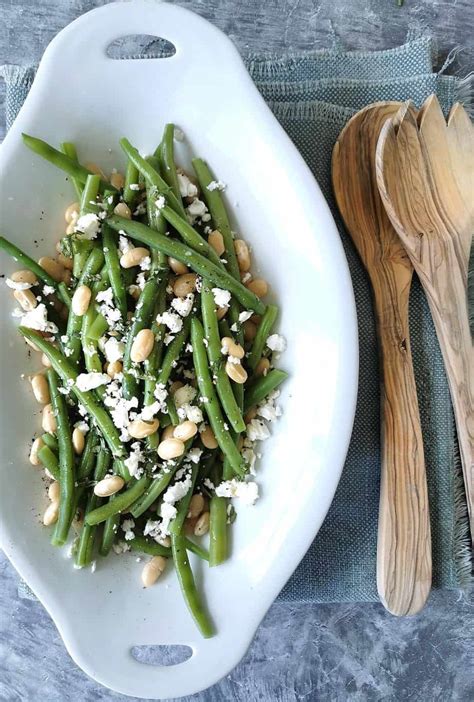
(425,175)
(404,537)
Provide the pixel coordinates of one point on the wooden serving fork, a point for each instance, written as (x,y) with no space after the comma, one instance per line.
(404,540)
(425,175)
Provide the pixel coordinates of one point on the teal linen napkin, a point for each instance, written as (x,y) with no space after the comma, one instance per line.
(313,94)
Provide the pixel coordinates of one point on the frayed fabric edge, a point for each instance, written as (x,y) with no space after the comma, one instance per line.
(464,93)
(20,75)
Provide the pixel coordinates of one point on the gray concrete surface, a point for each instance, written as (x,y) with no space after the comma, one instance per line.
(325,653)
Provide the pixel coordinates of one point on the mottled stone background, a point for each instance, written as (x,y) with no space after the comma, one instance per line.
(325,653)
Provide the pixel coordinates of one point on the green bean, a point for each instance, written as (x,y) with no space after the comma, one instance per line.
(141,320)
(173,414)
(152,176)
(121,469)
(82,247)
(214,201)
(217,530)
(50,440)
(66,462)
(176,526)
(263,331)
(49,460)
(146,545)
(98,327)
(32,266)
(89,346)
(190,236)
(217,523)
(109,532)
(112,262)
(198,550)
(173,352)
(168,164)
(210,401)
(69,149)
(67,372)
(88,532)
(217,209)
(263,386)
(131,178)
(109,201)
(60,160)
(89,202)
(222,382)
(92,359)
(157,486)
(74,323)
(88,456)
(120,503)
(153,362)
(197,262)
(188,586)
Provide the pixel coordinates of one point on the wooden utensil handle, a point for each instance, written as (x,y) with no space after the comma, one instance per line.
(404,536)
(454,335)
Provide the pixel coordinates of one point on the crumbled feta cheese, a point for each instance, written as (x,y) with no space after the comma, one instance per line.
(186,186)
(167,512)
(48,290)
(249,456)
(120,547)
(119,411)
(145,263)
(244,316)
(124,243)
(160,202)
(194,455)
(113,349)
(209,484)
(161,393)
(141,280)
(221,297)
(150,411)
(276,342)
(234,360)
(89,381)
(127,527)
(191,412)
(37,318)
(268,409)
(246,492)
(171,320)
(185,394)
(257,430)
(168,338)
(197,208)
(134,186)
(183,305)
(105,298)
(135,458)
(14,285)
(88,226)
(82,425)
(140,209)
(246,277)
(216,185)
(152,528)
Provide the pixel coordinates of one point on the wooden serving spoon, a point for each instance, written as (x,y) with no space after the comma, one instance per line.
(404,536)
(425,174)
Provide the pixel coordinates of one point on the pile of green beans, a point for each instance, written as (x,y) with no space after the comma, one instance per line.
(113,476)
